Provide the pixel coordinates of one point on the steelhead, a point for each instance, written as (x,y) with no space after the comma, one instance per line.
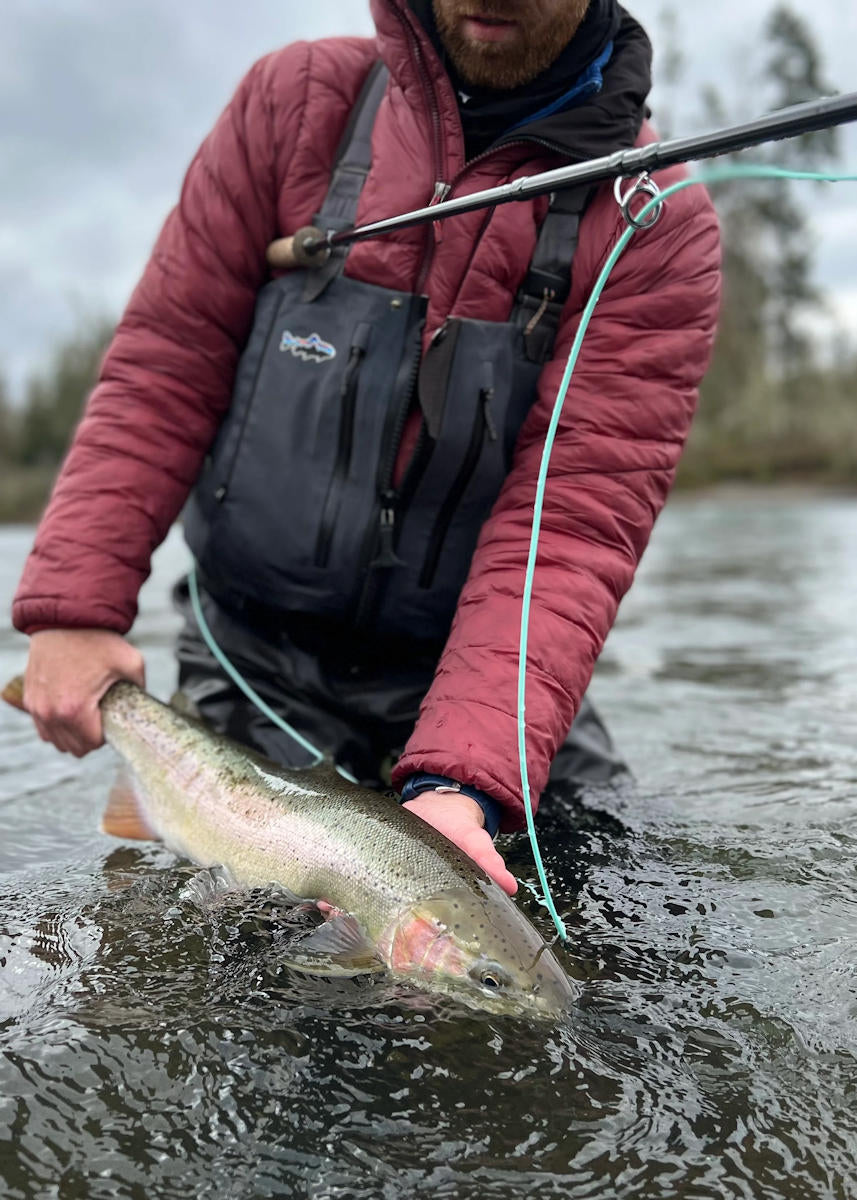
(407,898)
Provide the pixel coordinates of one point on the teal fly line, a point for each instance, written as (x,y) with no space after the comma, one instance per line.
(712,175)
(240,682)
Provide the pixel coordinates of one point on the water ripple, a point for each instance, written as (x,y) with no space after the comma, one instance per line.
(155,1043)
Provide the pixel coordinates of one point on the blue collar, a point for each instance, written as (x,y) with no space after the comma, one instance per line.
(588,84)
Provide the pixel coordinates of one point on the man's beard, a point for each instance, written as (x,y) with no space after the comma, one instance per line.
(505,65)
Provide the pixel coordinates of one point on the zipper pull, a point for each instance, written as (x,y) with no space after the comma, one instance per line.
(441,191)
(439,334)
(486,395)
(386,556)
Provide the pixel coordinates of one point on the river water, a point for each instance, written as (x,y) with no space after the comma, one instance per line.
(152,1045)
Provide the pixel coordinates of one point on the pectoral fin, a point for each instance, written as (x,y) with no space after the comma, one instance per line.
(338,947)
(124,816)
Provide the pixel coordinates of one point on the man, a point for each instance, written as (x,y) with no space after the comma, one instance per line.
(334,517)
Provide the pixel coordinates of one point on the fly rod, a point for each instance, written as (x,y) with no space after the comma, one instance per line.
(311,247)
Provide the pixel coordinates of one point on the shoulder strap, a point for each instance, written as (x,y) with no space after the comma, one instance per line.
(354,155)
(539,303)
(351,166)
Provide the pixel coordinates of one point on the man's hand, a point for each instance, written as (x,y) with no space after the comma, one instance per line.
(460,818)
(68,672)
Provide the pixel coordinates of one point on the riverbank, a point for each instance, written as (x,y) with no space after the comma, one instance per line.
(24,490)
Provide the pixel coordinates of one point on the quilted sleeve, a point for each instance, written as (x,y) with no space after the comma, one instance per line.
(622,431)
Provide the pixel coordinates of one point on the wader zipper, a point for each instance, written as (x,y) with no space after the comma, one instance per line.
(348,396)
(378,550)
(483,424)
(222,490)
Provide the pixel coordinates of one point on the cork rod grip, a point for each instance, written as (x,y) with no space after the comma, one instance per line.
(289,252)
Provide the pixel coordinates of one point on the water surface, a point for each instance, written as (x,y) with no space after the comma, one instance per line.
(154,1044)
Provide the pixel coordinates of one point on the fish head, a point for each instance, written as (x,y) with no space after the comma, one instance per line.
(474,943)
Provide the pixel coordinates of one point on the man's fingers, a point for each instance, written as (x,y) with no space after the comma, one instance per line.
(460,819)
(505,878)
(68,672)
(42,731)
(57,735)
(84,733)
(74,731)
(479,846)
(134,669)
(499,872)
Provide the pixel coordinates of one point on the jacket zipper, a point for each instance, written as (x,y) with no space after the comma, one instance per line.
(348,397)
(433,234)
(441,189)
(483,424)
(427,87)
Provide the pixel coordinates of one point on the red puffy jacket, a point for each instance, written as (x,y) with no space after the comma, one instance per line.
(167,378)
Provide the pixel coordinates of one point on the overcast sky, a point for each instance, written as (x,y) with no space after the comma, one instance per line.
(102,106)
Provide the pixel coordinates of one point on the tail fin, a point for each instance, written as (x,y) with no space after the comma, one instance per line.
(13,692)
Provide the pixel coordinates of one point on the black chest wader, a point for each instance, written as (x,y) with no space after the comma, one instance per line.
(332,587)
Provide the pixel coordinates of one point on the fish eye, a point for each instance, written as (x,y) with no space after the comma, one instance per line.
(490,976)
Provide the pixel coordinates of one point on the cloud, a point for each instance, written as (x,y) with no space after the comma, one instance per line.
(102,106)
(101,109)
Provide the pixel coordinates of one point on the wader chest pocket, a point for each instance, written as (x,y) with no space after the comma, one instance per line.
(476,388)
(284,502)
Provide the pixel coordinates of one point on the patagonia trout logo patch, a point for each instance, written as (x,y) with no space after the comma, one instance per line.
(308,349)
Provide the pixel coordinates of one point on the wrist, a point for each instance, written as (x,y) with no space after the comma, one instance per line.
(443,784)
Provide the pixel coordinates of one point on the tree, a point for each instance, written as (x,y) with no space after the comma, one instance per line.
(7,426)
(54,400)
(763,355)
(670,68)
(794,75)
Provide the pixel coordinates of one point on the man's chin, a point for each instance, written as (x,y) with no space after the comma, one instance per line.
(492,65)
(505,53)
